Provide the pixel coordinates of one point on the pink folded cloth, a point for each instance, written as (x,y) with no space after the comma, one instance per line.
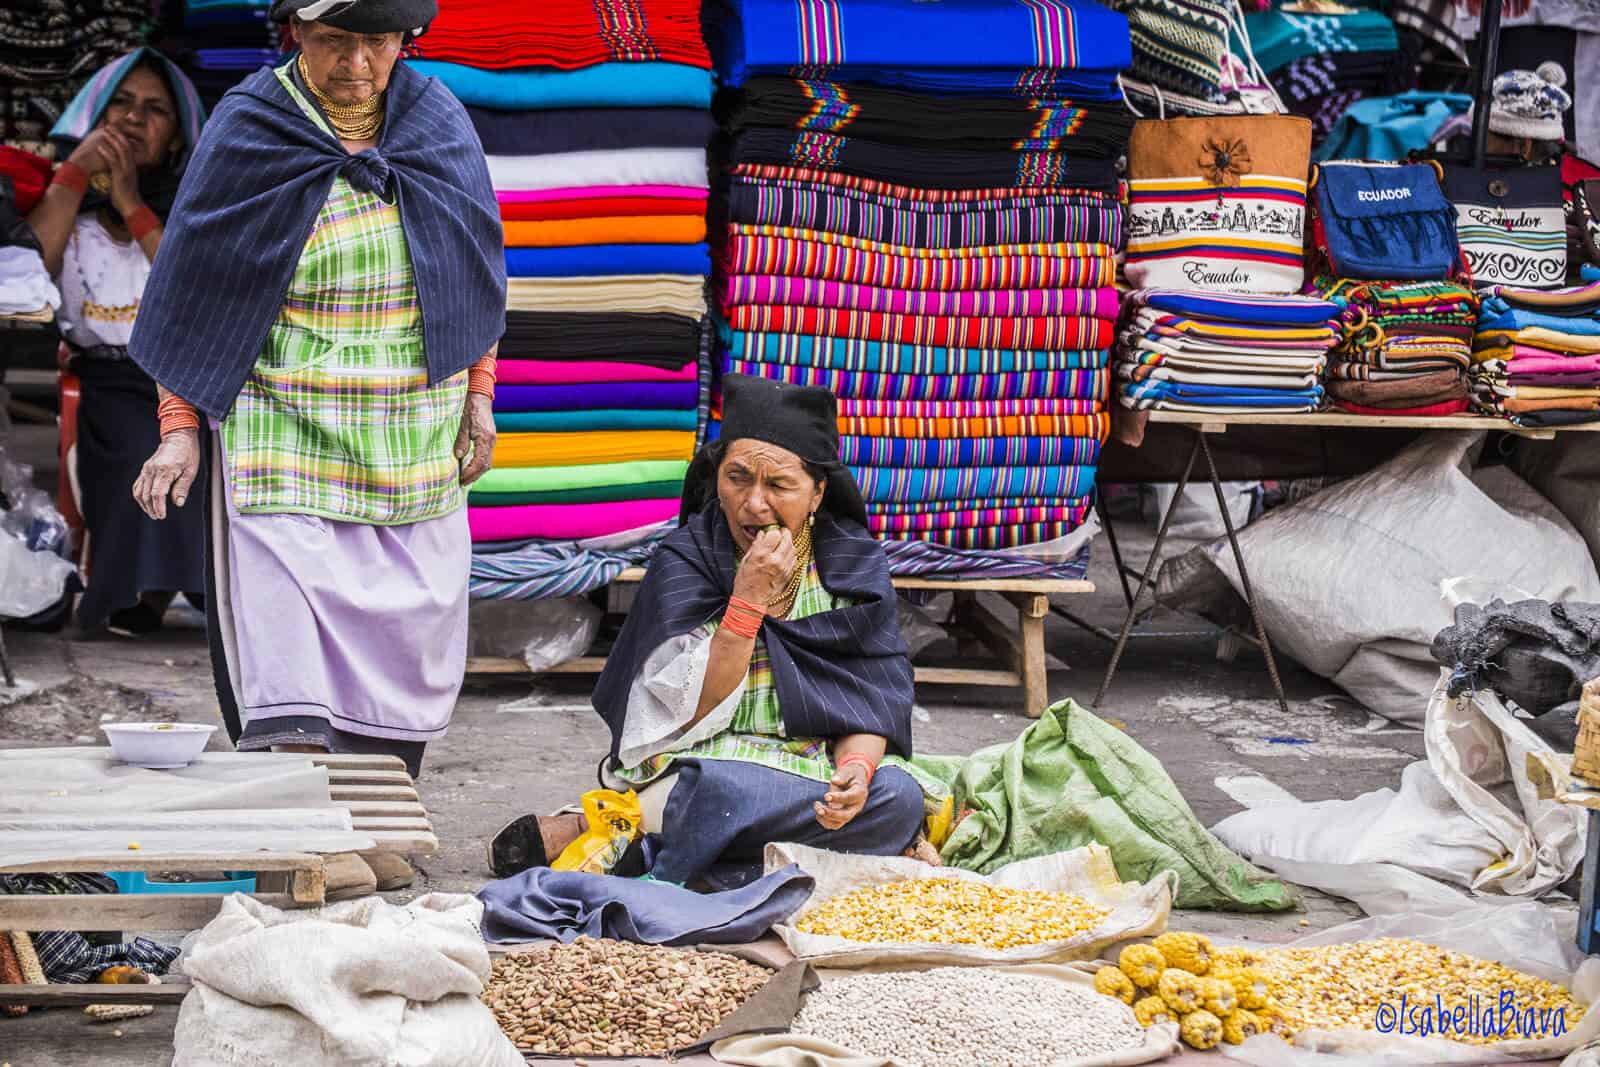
(586,371)
(567,522)
(595,192)
(811,292)
(1548,364)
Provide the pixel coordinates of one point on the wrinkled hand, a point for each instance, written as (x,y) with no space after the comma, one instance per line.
(766,568)
(476,438)
(92,153)
(846,796)
(171,470)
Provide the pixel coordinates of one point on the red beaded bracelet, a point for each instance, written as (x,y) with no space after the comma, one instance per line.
(741,622)
(142,222)
(862,758)
(72,176)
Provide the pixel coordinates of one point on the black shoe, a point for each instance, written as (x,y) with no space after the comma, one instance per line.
(137,621)
(517,847)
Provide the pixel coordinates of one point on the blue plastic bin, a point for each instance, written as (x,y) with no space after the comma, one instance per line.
(136,882)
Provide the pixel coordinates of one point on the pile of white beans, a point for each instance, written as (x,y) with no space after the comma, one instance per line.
(966,1017)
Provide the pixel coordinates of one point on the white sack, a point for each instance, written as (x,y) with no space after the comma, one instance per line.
(358,984)
(1346,582)
(1467,816)
(1526,936)
(542,633)
(1137,910)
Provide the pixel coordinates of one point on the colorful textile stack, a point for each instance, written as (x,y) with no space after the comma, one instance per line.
(219,42)
(1404,347)
(49,49)
(925,221)
(1322,63)
(1536,355)
(1185,350)
(594,116)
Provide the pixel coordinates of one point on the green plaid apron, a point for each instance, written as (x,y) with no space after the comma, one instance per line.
(756,734)
(338,418)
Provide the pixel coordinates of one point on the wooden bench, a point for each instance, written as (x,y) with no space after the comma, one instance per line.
(383,804)
(1018,648)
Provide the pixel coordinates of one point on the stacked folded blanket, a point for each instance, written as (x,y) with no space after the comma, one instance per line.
(923,217)
(594,119)
(1182,350)
(1536,355)
(1404,347)
(219,42)
(48,51)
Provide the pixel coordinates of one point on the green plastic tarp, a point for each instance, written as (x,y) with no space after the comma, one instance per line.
(1072,778)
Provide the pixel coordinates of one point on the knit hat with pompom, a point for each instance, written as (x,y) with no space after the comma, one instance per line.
(1529,103)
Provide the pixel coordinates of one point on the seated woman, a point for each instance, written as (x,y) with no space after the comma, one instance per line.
(132,129)
(760,690)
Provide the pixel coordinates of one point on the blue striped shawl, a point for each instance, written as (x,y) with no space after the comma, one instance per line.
(841,672)
(248,202)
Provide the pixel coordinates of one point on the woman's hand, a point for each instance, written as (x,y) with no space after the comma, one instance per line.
(172,469)
(123,165)
(93,153)
(476,438)
(846,796)
(766,568)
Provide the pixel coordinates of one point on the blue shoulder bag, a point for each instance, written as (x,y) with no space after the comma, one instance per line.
(1382,221)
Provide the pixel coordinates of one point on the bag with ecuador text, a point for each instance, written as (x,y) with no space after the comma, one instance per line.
(1381,221)
(1218,203)
(1512,224)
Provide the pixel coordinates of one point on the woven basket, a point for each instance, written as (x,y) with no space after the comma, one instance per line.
(1586,753)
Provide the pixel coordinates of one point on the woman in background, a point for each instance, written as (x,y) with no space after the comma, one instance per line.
(129,134)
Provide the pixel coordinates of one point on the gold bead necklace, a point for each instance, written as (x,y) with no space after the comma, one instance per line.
(352,122)
(802,563)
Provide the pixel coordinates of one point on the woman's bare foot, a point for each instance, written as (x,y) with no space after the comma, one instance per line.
(922,849)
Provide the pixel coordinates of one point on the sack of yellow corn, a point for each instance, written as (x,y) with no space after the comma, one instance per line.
(890,909)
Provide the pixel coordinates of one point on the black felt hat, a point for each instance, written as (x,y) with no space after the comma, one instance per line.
(801,418)
(360,16)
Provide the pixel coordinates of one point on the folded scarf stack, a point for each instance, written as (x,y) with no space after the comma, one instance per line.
(219,42)
(595,120)
(47,52)
(922,217)
(1322,62)
(1404,347)
(1536,355)
(1180,350)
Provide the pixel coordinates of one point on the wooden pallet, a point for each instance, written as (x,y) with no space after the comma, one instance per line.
(383,804)
(1017,647)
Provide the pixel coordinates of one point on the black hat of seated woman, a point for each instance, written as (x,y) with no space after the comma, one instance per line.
(801,418)
(360,16)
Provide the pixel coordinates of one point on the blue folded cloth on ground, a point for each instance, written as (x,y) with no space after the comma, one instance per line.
(565,905)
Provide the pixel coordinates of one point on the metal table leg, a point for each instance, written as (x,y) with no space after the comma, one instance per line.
(5,663)
(1244,575)
(1111,536)
(1149,570)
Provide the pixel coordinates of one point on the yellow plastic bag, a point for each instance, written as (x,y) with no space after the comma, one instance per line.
(614,821)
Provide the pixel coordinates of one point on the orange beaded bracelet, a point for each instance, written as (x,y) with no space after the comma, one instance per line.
(861,758)
(480,379)
(177,414)
(742,619)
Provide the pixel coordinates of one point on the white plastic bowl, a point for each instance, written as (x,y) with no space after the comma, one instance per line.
(158,746)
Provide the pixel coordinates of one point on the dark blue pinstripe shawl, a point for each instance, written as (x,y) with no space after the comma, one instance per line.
(840,672)
(249,199)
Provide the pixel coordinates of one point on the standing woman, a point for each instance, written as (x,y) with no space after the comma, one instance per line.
(329,297)
(129,132)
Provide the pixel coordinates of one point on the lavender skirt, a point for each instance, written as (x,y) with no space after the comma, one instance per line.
(340,634)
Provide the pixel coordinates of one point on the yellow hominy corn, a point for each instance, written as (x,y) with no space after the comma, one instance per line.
(1151,1010)
(950,912)
(1249,984)
(1180,990)
(1340,986)
(1201,1029)
(1143,964)
(1240,1025)
(1217,996)
(1192,952)
(1113,983)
